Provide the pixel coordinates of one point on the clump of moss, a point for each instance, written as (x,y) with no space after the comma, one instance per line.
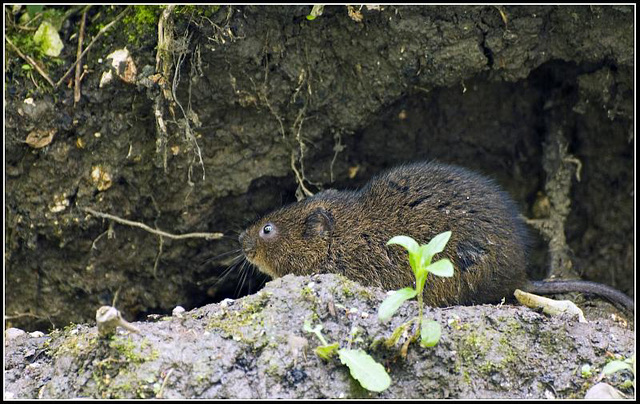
(233,320)
(193,10)
(127,348)
(120,357)
(74,343)
(142,22)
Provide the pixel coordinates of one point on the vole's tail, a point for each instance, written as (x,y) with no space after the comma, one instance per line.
(550,287)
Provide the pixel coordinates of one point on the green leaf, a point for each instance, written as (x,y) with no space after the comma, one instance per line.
(444,268)
(430,333)
(392,303)
(615,366)
(407,242)
(34,9)
(48,39)
(437,244)
(327,351)
(413,262)
(425,257)
(365,369)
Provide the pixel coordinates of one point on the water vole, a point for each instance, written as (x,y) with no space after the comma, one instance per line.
(346,232)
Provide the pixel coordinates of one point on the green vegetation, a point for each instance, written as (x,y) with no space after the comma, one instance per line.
(420,257)
(618,365)
(194,10)
(45,40)
(315,12)
(142,22)
(370,374)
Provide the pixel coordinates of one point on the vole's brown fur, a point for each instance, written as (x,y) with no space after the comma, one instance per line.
(346,232)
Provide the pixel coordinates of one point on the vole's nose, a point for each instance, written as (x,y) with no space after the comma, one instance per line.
(246,243)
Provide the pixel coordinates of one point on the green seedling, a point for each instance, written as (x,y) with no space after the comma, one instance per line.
(420,257)
(370,374)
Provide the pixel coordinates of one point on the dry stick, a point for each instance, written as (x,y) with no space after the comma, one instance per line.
(102,31)
(76,88)
(208,236)
(30,61)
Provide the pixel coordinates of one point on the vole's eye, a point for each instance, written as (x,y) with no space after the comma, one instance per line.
(268,231)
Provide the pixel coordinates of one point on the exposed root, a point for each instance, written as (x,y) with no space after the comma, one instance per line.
(189,135)
(338,147)
(168,46)
(220,33)
(207,236)
(299,179)
(162,136)
(157,260)
(110,234)
(161,234)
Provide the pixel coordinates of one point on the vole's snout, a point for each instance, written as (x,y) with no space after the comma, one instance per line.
(247,244)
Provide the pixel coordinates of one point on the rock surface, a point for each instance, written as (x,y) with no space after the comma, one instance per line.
(255,347)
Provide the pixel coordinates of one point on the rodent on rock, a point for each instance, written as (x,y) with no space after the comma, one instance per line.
(346,232)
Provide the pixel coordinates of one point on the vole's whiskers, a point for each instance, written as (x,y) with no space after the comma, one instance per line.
(235,232)
(263,282)
(243,278)
(238,260)
(217,257)
(235,261)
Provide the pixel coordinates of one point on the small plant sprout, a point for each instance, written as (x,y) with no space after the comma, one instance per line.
(420,257)
(324,351)
(369,373)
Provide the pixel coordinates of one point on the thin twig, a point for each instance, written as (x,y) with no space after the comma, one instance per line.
(76,88)
(208,236)
(30,61)
(102,31)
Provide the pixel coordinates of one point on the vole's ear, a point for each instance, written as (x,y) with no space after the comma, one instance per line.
(318,223)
